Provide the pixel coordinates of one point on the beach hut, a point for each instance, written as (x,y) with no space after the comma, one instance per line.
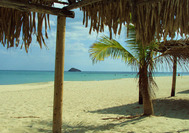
(178,52)
(152,19)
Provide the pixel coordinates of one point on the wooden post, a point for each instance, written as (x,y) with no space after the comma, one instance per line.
(174,76)
(59,75)
(30,7)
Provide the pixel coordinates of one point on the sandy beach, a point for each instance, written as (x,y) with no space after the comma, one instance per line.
(88,107)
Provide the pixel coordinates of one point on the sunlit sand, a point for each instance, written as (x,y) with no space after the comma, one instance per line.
(94,106)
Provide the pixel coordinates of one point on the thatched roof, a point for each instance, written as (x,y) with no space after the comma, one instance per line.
(177,48)
(160,18)
(15,23)
(152,18)
(18,23)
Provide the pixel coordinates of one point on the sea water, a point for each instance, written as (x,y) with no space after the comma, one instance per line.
(8,77)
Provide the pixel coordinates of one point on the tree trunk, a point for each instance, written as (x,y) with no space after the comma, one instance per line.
(140,100)
(147,101)
(174,76)
(59,75)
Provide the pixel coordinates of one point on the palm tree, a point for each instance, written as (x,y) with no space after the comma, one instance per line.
(142,58)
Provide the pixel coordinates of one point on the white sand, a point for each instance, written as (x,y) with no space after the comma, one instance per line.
(27,108)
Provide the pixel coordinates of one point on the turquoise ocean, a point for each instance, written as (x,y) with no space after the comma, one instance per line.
(8,77)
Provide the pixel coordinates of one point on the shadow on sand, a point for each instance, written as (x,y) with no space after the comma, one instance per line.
(184,92)
(96,129)
(172,108)
(125,110)
(131,109)
(79,128)
(163,107)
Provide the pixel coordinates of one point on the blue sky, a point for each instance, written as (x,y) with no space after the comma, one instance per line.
(77,45)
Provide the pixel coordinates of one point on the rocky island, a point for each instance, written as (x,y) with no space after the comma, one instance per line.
(74,70)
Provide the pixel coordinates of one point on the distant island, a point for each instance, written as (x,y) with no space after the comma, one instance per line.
(74,70)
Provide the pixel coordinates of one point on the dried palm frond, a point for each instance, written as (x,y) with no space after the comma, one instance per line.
(152,19)
(160,18)
(178,48)
(16,25)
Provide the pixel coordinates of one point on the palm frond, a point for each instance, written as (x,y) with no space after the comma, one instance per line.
(131,35)
(106,47)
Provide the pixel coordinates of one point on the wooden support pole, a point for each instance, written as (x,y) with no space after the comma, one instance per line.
(59,75)
(174,76)
(29,7)
(81,4)
(89,2)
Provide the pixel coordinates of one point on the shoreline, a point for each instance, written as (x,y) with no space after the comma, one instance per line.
(22,77)
(27,108)
(94,80)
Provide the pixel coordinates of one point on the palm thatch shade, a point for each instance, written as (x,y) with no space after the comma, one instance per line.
(17,25)
(152,19)
(160,18)
(177,48)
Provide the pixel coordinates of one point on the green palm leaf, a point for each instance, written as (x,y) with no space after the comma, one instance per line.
(106,47)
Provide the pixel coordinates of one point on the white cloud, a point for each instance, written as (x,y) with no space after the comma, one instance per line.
(77,31)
